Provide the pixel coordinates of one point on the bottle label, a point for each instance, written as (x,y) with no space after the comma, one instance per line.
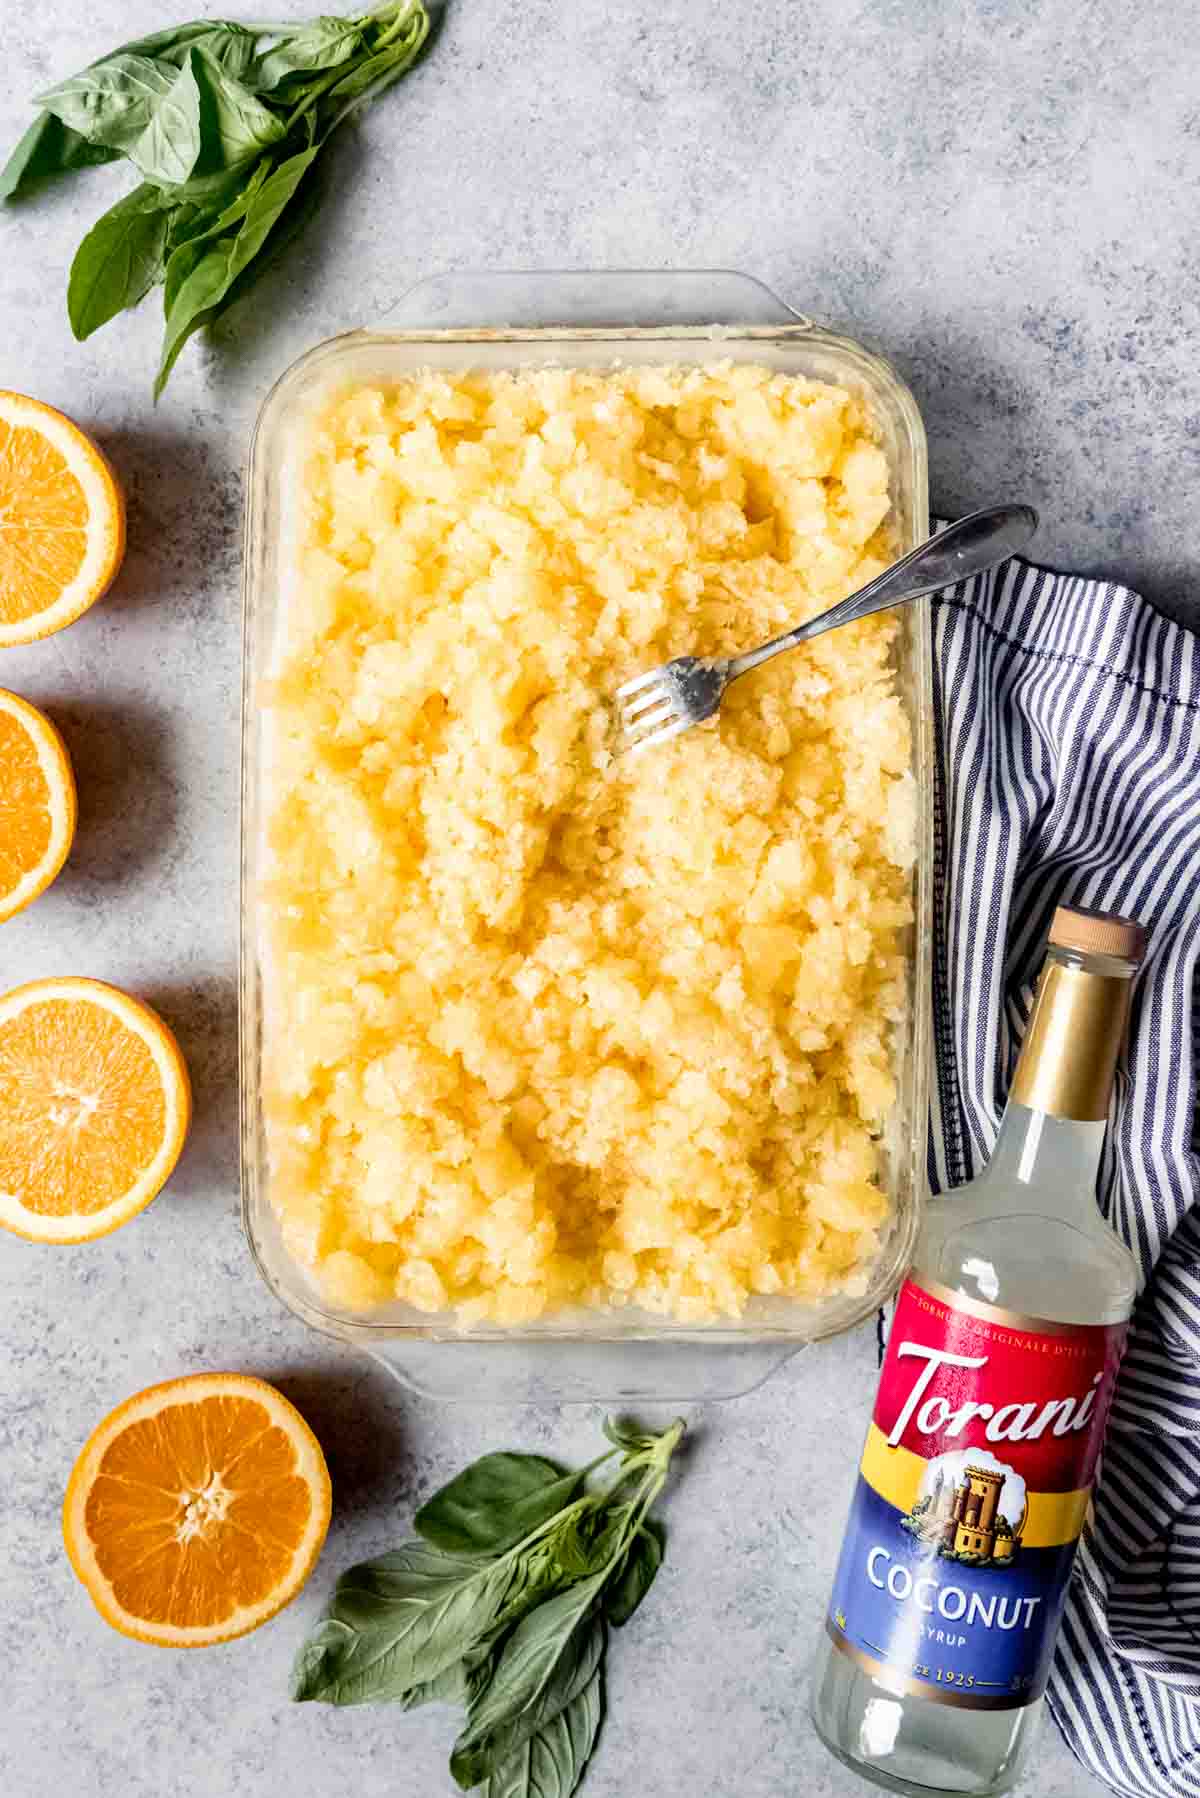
(970,1498)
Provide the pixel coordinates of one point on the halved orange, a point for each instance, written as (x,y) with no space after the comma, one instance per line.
(94,1107)
(62,520)
(197,1510)
(37,803)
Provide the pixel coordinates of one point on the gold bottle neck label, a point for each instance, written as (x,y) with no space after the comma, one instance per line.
(1070,1052)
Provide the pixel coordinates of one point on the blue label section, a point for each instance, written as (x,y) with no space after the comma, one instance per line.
(984,1634)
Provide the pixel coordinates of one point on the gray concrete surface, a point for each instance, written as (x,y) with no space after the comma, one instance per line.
(999,194)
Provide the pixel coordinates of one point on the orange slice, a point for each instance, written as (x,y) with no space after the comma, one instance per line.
(197,1510)
(62,520)
(37,803)
(94,1107)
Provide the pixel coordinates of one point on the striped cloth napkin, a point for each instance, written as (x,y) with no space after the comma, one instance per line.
(1068,747)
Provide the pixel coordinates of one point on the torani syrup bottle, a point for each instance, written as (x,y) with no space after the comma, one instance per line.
(991,1408)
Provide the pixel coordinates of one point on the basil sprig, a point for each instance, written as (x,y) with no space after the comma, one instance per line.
(223,123)
(501,1606)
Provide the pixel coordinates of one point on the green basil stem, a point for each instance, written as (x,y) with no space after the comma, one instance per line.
(402,19)
(655,1459)
(318,90)
(316,93)
(383,81)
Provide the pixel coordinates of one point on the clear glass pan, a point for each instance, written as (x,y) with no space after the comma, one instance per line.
(577,320)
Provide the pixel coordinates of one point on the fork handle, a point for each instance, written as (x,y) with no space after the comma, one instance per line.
(968,547)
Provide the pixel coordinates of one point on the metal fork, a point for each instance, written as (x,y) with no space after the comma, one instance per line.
(672,697)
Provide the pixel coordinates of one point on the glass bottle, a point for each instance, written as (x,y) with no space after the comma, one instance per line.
(992,1401)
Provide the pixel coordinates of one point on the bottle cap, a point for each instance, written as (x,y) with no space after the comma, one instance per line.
(1098,933)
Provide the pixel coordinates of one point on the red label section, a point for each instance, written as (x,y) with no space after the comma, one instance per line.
(1036,1396)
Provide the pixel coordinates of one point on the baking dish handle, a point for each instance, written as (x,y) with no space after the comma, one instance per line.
(559,1372)
(587,299)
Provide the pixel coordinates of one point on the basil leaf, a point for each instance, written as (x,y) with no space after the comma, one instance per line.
(552,1762)
(325,44)
(305,201)
(536,1576)
(118,261)
(232,47)
(47,149)
(496,1503)
(235,125)
(207,224)
(130,104)
(455,1684)
(396,1623)
(173,43)
(642,1562)
(549,1658)
(111,102)
(197,298)
(300,209)
(579,1546)
(212,190)
(167,149)
(322,1649)
(458,1684)
(184,220)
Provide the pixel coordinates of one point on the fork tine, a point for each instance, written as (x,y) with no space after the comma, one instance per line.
(639,680)
(651,720)
(650,696)
(659,736)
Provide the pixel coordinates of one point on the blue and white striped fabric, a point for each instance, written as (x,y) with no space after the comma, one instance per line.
(1068,723)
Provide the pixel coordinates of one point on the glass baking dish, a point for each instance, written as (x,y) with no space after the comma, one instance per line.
(585,320)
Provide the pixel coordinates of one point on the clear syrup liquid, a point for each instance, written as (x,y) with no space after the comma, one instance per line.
(1027,1236)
